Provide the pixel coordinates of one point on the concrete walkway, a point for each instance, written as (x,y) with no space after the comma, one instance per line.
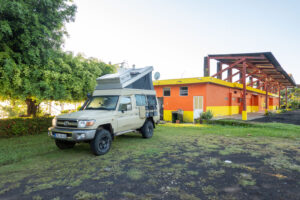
(251,116)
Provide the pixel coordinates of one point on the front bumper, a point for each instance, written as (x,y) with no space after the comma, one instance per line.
(75,135)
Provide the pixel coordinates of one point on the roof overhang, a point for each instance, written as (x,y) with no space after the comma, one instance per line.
(261,65)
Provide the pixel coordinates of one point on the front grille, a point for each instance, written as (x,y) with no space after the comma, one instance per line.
(66,123)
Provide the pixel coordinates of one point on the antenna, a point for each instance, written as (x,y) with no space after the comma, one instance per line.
(156,75)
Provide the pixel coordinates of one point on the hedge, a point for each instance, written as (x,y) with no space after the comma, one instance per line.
(231,122)
(24,126)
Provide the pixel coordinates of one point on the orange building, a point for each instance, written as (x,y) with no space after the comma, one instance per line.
(196,95)
(223,97)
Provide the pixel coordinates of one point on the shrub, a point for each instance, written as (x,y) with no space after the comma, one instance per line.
(24,126)
(283,110)
(269,113)
(206,115)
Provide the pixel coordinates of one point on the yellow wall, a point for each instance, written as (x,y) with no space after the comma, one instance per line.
(188,116)
(272,107)
(252,108)
(168,115)
(223,110)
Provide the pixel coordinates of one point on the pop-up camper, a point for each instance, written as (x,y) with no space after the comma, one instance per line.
(122,102)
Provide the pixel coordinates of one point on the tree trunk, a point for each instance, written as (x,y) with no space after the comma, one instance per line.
(32,107)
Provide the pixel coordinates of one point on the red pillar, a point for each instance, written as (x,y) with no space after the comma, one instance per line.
(244,113)
(206,66)
(286,102)
(279,96)
(267,97)
(229,74)
(219,68)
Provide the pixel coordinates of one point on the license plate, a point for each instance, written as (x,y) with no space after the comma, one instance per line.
(59,135)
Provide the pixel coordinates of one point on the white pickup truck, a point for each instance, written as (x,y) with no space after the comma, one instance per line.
(106,114)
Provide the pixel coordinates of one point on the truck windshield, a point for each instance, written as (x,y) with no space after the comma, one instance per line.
(102,103)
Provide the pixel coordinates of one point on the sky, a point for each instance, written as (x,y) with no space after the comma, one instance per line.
(173,36)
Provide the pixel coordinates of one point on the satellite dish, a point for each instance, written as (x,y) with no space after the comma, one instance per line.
(156,75)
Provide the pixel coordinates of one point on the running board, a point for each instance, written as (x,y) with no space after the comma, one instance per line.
(123,132)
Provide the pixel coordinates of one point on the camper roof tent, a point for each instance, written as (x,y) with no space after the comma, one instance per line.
(140,78)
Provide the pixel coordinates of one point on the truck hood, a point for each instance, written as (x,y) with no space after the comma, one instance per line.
(87,114)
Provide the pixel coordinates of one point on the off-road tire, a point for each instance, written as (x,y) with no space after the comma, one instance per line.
(62,144)
(101,143)
(147,129)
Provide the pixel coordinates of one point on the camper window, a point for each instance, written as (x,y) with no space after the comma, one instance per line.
(140,100)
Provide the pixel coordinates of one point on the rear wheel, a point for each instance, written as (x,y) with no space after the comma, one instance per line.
(101,144)
(147,129)
(62,144)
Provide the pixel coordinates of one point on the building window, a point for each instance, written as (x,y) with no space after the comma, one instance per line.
(183,91)
(167,92)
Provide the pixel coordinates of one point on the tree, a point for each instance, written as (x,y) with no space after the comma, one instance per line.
(32,66)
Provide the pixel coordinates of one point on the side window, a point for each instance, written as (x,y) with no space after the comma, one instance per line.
(125,104)
(151,100)
(183,91)
(167,92)
(140,100)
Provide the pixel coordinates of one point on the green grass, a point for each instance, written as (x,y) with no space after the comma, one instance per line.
(35,163)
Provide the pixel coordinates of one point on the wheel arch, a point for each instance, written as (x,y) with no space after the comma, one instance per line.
(150,119)
(107,127)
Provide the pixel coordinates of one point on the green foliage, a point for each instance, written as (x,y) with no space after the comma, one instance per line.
(206,115)
(24,126)
(283,110)
(32,65)
(269,113)
(31,31)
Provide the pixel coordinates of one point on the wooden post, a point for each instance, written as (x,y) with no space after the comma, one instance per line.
(286,99)
(244,112)
(206,67)
(267,97)
(279,96)
(219,68)
(242,76)
(251,81)
(229,74)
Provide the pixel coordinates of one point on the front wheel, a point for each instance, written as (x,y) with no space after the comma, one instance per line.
(62,144)
(101,144)
(147,129)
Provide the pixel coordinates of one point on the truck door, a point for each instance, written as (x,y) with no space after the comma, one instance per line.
(126,116)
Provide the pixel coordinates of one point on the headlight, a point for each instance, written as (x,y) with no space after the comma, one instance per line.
(85,123)
(54,121)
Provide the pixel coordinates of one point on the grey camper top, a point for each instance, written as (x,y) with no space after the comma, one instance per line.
(140,78)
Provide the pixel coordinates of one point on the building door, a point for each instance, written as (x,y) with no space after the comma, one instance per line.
(161,107)
(198,106)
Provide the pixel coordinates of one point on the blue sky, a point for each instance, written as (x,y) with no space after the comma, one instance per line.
(174,36)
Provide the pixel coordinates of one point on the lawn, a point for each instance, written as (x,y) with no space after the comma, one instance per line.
(181,161)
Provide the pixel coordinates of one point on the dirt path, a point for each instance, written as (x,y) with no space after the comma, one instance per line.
(290,117)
